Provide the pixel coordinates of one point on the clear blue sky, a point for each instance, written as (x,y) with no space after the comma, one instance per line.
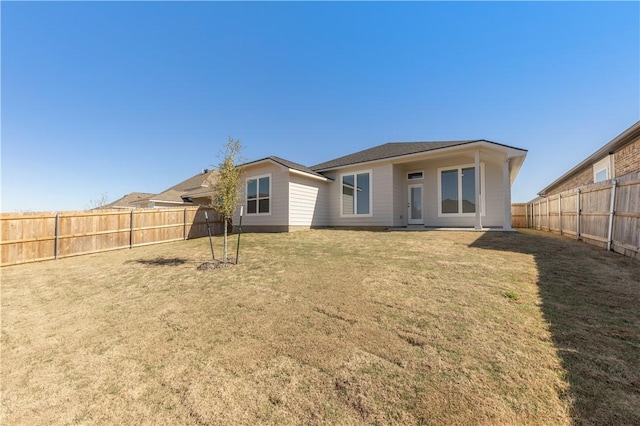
(116,97)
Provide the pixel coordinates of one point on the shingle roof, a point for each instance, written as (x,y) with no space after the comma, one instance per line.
(388,150)
(288,164)
(186,188)
(128,200)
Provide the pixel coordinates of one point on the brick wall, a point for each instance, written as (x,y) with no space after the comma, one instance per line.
(585,177)
(627,160)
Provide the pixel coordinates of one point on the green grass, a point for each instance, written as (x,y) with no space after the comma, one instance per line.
(326,327)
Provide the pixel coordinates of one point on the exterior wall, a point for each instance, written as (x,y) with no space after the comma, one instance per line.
(381,195)
(308,203)
(399,196)
(583,178)
(627,160)
(279,203)
(493,188)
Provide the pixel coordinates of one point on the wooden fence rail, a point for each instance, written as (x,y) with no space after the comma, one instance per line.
(32,237)
(606,214)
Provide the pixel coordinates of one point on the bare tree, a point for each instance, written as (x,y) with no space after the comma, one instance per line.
(98,203)
(226,191)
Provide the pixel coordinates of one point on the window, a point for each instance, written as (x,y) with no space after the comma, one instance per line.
(414,175)
(259,195)
(601,169)
(457,190)
(601,175)
(356,194)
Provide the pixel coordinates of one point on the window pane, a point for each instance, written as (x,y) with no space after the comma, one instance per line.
(469,190)
(263,206)
(251,206)
(416,203)
(449,190)
(252,189)
(348,199)
(263,187)
(363,195)
(601,175)
(415,175)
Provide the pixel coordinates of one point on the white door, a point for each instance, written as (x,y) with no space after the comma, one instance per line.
(414,215)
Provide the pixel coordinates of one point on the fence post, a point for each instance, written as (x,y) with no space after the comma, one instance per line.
(560,213)
(548,216)
(184,232)
(578,214)
(614,183)
(56,248)
(131,233)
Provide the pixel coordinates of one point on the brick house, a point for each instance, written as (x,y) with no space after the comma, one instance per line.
(617,159)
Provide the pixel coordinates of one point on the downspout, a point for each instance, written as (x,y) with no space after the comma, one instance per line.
(478,217)
(614,183)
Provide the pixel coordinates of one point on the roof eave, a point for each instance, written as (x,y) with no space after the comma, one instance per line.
(511,152)
(615,144)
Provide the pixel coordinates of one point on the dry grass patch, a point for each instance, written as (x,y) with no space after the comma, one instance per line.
(322,327)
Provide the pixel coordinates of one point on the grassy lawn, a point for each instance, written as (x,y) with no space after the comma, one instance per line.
(325,327)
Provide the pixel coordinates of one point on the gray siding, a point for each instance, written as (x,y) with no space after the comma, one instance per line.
(382,197)
(279,204)
(308,202)
(400,196)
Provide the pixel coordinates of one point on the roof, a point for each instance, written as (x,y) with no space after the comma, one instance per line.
(195,185)
(614,145)
(288,164)
(395,149)
(128,200)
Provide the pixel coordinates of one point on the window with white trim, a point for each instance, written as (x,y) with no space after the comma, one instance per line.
(457,190)
(415,175)
(356,194)
(601,170)
(258,194)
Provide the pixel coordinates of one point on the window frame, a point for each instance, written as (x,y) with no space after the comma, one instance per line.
(258,198)
(410,179)
(355,201)
(483,210)
(599,167)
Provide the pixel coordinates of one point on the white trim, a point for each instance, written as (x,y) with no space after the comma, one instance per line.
(419,221)
(246,193)
(305,174)
(354,173)
(602,165)
(510,151)
(483,210)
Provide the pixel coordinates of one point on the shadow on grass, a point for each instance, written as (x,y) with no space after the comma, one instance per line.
(590,299)
(161,261)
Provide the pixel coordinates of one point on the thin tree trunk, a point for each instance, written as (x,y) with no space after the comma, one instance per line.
(224,249)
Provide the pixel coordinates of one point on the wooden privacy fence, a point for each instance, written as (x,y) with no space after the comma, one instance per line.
(31,237)
(606,214)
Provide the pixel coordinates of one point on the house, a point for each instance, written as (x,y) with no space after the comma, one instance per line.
(195,191)
(130,201)
(617,159)
(400,184)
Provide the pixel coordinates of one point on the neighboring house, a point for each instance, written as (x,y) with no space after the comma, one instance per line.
(403,184)
(197,190)
(130,201)
(618,158)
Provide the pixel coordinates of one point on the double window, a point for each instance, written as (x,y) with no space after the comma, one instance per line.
(457,191)
(259,195)
(356,194)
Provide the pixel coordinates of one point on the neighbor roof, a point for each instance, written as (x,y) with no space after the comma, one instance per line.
(128,200)
(394,149)
(188,188)
(614,145)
